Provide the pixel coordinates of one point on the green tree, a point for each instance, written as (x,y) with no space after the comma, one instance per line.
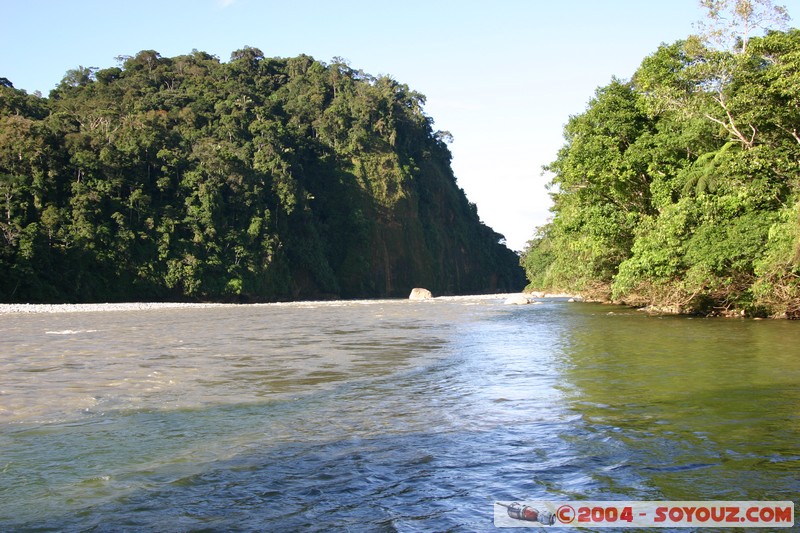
(707,227)
(256,179)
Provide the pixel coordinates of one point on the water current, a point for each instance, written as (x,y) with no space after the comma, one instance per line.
(384,415)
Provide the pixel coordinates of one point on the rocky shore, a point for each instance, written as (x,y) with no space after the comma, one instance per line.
(88,308)
(20,308)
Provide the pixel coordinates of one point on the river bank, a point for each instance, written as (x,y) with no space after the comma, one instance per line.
(24,308)
(656,308)
(94,307)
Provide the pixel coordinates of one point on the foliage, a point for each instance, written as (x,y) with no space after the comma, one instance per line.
(256,179)
(680,188)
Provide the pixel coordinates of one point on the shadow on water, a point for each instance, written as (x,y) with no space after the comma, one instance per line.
(434,481)
(703,408)
(318,462)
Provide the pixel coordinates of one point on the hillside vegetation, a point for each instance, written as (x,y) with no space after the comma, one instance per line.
(681,187)
(256,179)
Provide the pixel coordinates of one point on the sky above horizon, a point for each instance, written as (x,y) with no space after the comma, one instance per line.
(503,77)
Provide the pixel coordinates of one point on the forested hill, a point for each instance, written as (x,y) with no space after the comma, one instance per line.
(681,187)
(252,180)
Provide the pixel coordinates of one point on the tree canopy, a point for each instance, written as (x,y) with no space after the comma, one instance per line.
(681,187)
(253,179)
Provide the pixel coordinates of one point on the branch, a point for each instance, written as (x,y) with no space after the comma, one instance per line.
(792,132)
(730,126)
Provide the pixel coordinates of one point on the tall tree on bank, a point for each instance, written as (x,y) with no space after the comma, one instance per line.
(716,230)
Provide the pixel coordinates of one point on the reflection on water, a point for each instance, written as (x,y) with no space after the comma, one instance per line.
(384,415)
(705,407)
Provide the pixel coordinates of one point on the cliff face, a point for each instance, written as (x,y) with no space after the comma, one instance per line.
(256,179)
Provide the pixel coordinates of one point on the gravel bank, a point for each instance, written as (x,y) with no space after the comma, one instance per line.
(86,308)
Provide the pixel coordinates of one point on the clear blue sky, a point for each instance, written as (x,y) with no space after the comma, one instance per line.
(503,76)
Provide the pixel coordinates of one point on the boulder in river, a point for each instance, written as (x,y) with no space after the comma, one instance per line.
(420,294)
(517,299)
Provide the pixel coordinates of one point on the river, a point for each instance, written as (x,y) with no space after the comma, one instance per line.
(384,415)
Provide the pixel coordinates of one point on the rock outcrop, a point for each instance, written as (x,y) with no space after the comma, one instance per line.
(420,294)
(517,299)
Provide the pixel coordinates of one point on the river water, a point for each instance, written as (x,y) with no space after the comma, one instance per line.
(384,415)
